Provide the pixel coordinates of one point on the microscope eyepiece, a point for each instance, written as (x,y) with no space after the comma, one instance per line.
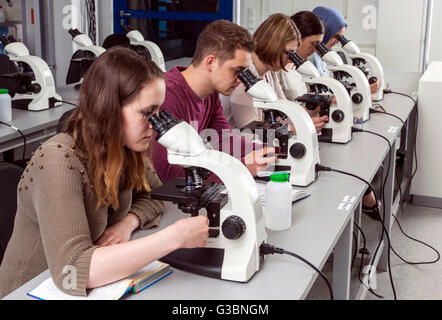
(167,118)
(295,58)
(343,40)
(74,32)
(322,49)
(248,79)
(162,123)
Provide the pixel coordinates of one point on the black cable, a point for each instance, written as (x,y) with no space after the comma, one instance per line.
(383,209)
(417,240)
(21,133)
(387,113)
(410,237)
(67,102)
(266,248)
(355,251)
(364,241)
(323,168)
(387,91)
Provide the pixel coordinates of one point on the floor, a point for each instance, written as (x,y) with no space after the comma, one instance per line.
(412,282)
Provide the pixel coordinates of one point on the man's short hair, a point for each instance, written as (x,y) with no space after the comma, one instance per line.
(221,38)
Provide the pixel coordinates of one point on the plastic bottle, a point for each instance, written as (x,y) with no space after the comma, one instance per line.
(5,106)
(278,209)
(2,15)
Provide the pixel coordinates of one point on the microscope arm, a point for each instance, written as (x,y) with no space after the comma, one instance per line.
(303,163)
(376,69)
(185,148)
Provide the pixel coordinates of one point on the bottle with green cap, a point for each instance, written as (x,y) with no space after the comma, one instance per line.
(5,106)
(278,210)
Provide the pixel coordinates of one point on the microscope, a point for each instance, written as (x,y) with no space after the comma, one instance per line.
(236,222)
(298,154)
(338,128)
(82,59)
(135,41)
(367,63)
(358,89)
(28,78)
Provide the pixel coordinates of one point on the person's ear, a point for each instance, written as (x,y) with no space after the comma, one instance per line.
(211,62)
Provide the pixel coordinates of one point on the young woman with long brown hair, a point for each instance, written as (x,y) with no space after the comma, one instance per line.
(275,38)
(85,191)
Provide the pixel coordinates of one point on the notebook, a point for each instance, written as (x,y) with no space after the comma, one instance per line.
(135,283)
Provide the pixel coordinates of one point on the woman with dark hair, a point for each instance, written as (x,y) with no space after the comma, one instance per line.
(312,31)
(335,25)
(85,190)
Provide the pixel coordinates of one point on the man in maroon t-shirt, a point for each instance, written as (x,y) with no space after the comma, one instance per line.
(223,51)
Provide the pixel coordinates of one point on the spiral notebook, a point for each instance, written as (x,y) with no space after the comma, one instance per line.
(135,283)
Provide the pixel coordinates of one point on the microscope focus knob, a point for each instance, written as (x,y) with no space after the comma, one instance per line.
(34,88)
(338,115)
(233,227)
(357,98)
(372,80)
(297,150)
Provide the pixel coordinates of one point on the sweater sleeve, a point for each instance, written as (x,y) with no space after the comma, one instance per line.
(147,210)
(58,193)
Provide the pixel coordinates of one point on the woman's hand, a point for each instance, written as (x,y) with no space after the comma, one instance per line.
(258,160)
(119,232)
(192,232)
(319,122)
(374,87)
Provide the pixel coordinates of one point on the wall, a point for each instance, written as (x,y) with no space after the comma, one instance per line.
(375,26)
(435,53)
(62,40)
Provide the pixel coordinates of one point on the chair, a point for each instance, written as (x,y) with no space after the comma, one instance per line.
(63,119)
(9,177)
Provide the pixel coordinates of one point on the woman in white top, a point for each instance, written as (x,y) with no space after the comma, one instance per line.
(274,38)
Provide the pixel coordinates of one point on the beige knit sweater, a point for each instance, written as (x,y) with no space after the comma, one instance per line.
(56,225)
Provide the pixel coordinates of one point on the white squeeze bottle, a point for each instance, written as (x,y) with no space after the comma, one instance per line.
(5,106)
(278,209)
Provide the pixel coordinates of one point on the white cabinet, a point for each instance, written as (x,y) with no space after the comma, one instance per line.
(427,184)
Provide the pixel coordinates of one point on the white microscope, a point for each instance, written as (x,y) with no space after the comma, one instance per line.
(338,128)
(28,78)
(359,90)
(368,63)
(82,59)
(236,222)
(137,40)
(299,154)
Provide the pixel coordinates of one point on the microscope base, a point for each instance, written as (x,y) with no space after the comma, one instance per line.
(204,261)
(23,104)
(327,136)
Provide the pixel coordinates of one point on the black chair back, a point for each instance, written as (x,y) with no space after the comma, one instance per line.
(62,121)
(10,175)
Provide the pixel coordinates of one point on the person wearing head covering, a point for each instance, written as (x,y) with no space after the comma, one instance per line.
(335,25)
